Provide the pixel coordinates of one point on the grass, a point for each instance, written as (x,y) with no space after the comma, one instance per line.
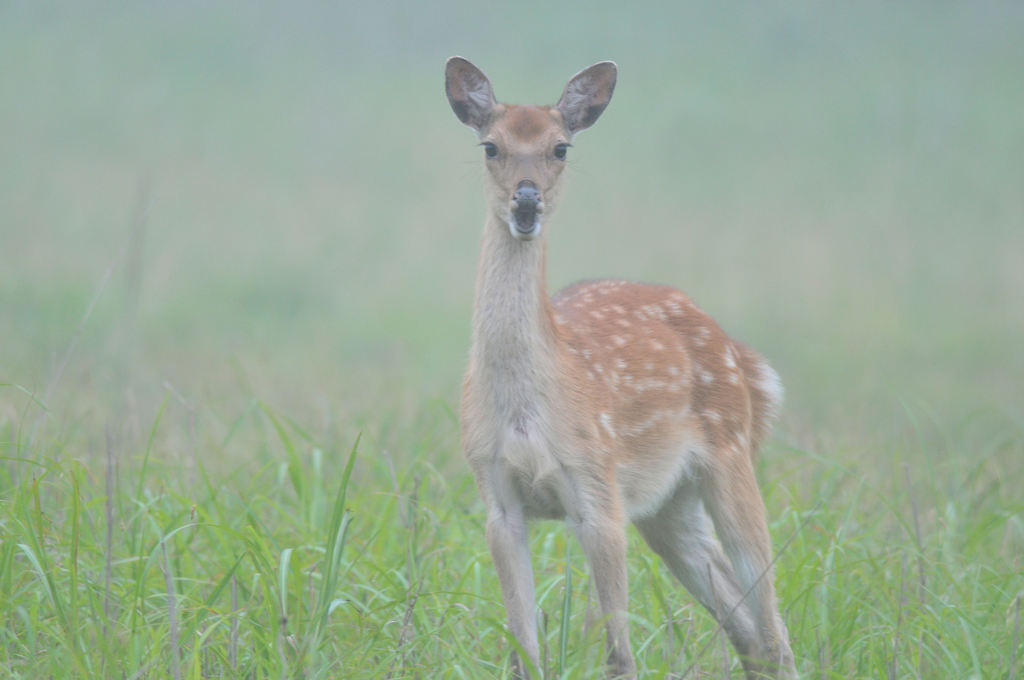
(238,247)
(317,561)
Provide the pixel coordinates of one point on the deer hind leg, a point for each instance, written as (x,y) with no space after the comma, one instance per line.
(734,503)
(680,533)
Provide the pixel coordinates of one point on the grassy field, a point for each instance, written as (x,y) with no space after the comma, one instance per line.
(237,249)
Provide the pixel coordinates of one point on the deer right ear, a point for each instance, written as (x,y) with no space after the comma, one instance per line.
(469,92)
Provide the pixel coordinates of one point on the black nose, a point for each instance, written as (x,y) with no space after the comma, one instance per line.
(526,194)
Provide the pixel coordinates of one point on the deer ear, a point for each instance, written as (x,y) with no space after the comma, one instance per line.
(469,92)
(587,95)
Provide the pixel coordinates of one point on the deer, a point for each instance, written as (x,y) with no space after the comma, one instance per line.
(607,403)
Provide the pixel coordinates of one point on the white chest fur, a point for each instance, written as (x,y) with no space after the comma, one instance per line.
(528,458)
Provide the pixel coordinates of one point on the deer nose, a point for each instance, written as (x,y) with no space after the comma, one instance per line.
(526,194)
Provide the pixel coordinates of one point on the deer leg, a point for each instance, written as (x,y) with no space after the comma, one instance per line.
(508,541)
(680,533)
(603,538)
(734,502)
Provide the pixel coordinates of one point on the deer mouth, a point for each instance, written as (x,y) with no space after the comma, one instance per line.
(526,208)
(525,222)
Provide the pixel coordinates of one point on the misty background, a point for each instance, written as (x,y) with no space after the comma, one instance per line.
(243,200)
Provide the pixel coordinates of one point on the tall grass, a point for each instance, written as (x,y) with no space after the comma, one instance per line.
(326,562)
(133,572)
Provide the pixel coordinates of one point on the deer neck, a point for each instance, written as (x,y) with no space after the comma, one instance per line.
(514,341)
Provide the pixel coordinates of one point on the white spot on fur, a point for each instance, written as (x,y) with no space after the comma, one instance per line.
(646,424)
(654,312)
(657,346)
(649,384)
(606,423)
(713,416)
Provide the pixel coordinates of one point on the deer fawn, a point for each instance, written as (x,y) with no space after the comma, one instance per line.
(610,401)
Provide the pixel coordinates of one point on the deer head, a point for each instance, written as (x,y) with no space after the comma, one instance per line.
(525,147)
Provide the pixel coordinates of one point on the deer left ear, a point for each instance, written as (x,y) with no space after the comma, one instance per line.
(587,95)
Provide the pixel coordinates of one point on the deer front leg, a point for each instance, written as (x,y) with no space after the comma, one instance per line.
(510,550)
(603,538)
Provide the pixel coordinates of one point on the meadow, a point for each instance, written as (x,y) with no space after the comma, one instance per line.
(237,251)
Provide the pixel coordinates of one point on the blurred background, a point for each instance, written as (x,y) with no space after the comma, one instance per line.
(234,201)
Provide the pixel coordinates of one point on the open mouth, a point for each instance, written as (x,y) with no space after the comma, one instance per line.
(525,222)
(525,210)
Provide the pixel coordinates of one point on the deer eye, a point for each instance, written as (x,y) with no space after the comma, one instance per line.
(490,150)
(561,150)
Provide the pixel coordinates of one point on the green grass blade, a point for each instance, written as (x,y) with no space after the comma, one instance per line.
(563,633)
(282,582)
(294,464)
(335,540)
